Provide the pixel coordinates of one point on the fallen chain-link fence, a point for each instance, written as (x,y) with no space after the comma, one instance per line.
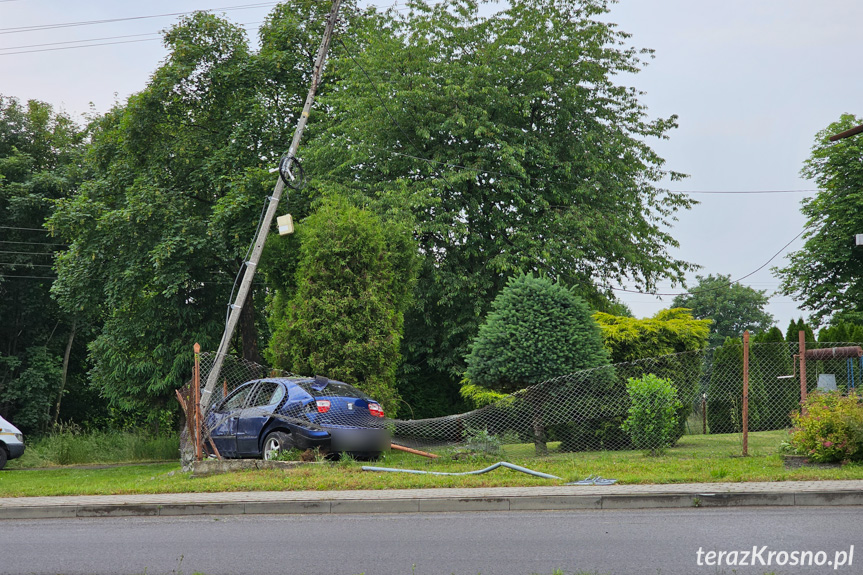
(581,411)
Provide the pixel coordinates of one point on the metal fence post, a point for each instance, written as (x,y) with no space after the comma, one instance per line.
(196,382)
(746,393)
(801,336)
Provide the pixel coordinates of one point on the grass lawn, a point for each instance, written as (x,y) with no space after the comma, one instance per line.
(696,458)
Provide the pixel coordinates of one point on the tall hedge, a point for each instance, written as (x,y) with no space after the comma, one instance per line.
(771,398)
(725,390)
(345,316)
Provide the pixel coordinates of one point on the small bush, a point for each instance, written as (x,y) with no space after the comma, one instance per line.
(481,441)
(652,421)
(829,428)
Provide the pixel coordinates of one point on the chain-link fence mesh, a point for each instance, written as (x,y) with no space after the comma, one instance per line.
(581,411)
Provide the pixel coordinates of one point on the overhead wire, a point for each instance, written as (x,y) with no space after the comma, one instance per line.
(459,167)
(31,243)
(41,27)
(153,36)
(708,290)
(28,253)
(24,229)
(28,277)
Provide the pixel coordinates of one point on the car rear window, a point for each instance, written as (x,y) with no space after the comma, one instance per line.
(334,389)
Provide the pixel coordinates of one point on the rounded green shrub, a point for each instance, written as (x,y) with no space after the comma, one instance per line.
(652,416)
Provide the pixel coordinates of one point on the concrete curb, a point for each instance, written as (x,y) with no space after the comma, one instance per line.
(383,504)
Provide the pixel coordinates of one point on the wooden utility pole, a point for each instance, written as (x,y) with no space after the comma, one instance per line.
(252,264)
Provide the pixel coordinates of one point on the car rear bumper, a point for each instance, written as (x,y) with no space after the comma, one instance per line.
(310,438)
(356,439)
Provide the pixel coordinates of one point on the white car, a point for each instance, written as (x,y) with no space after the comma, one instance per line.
(11,442)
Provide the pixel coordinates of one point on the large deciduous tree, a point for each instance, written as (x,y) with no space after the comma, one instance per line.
(178,177)
(732,307)
(40,153)
(826,274)
(516,150)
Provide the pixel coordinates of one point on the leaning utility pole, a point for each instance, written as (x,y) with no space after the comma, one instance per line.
(284,169)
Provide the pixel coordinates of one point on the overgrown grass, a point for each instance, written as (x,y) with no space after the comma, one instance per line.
(76,448)
(705,458)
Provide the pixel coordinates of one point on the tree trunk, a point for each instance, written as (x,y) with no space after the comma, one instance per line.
(248,330)
(65,373)
(536,398)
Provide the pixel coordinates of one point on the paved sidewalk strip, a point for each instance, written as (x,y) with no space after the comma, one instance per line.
(787,493)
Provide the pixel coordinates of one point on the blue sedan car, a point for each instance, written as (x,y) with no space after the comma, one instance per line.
(265,416)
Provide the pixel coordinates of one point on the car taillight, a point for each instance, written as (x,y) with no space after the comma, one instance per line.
(376,410)
(323,405)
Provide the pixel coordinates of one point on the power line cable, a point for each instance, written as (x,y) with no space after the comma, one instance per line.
(79,46)
(98,42)
(31,243)
(124,36)
(41,27)
(508,175)
(29,253)
(707,290)
(29,277)
(24,229)
(25,265)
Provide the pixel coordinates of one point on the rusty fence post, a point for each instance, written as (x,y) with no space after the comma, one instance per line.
(196,383)
(746,393)
(802,342)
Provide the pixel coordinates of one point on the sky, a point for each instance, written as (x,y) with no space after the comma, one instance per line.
(751,81)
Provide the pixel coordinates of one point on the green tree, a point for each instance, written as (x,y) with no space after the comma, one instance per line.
(40,154)
(792,334)
(178,175)
(537,330)
(345,318)
(841,332)
(517,151)
(826,274)
(734,308)
(663,345)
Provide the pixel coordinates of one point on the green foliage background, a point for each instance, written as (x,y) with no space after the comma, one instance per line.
(671,336)
(733,308)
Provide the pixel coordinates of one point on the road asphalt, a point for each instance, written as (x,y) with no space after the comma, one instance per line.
(546,498)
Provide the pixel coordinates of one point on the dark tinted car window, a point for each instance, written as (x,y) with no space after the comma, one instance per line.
(267,393)
(334,389)
(237,399)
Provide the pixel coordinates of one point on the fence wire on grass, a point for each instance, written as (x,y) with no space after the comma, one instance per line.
(581,411)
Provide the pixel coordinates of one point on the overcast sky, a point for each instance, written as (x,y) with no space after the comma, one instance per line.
(752,82)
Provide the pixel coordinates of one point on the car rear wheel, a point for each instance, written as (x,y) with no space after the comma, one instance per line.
(275,442)
(3,456)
